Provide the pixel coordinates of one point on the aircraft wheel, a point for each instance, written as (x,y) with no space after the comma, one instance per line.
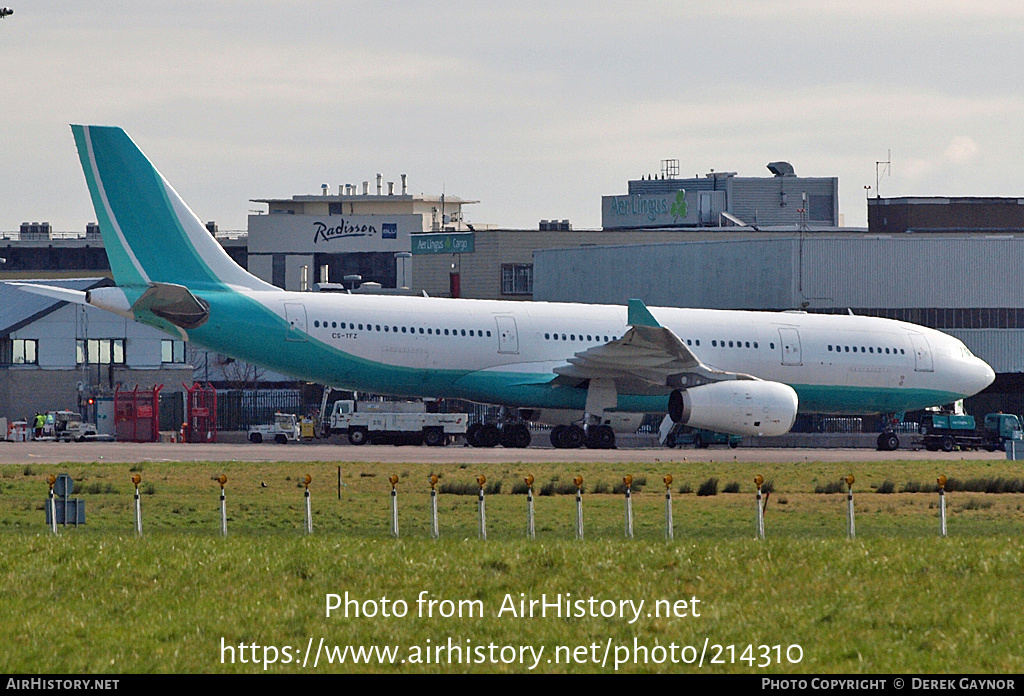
(473,435)
(573,437)
(490,435)
(255,438)
(358,436)
(515,436)
(602,437)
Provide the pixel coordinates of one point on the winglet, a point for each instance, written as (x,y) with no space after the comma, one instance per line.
(639,315)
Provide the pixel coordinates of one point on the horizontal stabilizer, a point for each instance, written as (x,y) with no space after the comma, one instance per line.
(63,294)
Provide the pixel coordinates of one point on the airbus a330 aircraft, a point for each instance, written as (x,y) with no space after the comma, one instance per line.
(581,367)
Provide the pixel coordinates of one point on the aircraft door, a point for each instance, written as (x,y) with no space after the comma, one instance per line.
(508,336)
(295,313)
(790,339)
(922,353)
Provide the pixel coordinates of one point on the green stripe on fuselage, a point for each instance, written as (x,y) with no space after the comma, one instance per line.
(242,327)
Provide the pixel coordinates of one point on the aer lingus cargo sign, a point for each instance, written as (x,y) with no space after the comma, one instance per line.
(448,243)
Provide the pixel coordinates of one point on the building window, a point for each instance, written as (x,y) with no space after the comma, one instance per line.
(19,351)
(100,351)
(172,351)
(517,279)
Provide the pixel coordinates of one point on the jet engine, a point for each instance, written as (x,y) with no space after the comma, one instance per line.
(740,407)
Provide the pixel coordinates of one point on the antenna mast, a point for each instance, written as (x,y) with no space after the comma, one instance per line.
(883,168)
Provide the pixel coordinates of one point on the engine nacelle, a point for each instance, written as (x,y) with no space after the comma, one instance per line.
(739,407)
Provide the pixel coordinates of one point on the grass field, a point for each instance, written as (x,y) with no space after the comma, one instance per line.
(896,599)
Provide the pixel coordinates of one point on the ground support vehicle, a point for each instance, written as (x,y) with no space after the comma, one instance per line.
(946,432)
(673,434)
(283,430)
(65,426)
(700,438)
(397,423)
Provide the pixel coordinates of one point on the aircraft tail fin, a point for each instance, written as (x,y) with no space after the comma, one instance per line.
(150,235)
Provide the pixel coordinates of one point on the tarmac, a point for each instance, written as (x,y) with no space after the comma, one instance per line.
(130,452)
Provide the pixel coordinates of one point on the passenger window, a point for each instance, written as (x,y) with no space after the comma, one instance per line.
(463,332)
(360,327)
(830,349)
(488,334)
(403,329)
(334,324)
(714,343)
(471,332)
(730,344)
(547,337)
(772,346)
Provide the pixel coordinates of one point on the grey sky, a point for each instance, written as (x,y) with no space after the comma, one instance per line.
(536,109)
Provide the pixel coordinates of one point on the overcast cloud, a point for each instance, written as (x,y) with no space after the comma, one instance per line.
(536,109)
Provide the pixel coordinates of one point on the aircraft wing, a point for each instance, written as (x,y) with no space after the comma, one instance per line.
(649,357)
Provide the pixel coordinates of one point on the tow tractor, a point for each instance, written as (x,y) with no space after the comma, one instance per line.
(65,426)
(283,430)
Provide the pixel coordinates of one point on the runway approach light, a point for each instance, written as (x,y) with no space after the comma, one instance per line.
(222,479)
(851,528)
(942,504)
(759,481)
(50,481)
(669,526)
(136,479)
(481,480)
(578,480)
(628,481)
(435,530)
(531,531)
(306,480)
(393,480)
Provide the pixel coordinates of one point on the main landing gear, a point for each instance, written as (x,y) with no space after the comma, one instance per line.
(574,436)
(509,435)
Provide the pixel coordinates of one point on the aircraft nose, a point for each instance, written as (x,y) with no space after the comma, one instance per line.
(982,375)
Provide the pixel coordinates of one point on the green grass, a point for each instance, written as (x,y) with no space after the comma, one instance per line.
(98,599)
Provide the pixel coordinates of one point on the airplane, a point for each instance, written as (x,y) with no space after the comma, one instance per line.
(589,370)
(5,11)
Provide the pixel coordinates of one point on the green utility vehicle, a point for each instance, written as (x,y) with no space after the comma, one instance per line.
(947,432)
(700,438)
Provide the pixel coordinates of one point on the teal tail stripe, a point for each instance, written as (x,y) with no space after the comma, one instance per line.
(149,233)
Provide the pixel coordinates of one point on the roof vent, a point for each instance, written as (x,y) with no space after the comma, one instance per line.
(781,169)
